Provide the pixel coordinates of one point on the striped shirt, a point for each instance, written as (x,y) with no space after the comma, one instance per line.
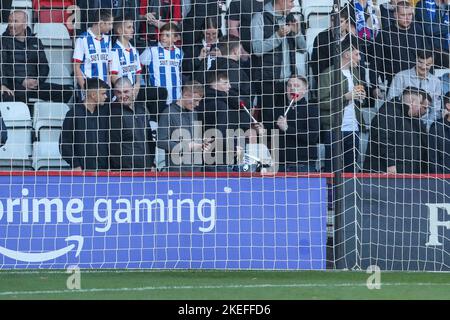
(94,54)
(125,61)
(164,69)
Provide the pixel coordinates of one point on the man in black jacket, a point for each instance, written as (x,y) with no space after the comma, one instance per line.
(396,46)
(24,64)
(322,54)
(132,146)
(193,22)
(387,11)
(84,136)
(439,141)
(219,121)
(230,49)
(398,138)
(299,128)
(213,110)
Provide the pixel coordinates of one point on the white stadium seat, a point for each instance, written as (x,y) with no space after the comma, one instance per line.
(318,19)
(53,34)
(301,62)
(48,118)
(17,150)
(58,50)
(60,64)
(46,155)
(16,114)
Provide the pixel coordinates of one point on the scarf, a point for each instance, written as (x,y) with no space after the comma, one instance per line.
(362,28)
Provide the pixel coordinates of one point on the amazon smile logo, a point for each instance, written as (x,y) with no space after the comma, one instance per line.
(45,256)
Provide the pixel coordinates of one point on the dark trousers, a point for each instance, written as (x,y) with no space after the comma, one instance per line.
(154,99)
(45,91)
(349,147)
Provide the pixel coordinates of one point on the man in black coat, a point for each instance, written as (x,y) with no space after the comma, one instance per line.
(84,136)
(239,20)
(132,146)
(218,120)
(240,84)
(322,54)
(229,61)
(398,138)
(24,64)
(387,11)
(439,141)
(396,46)
(299,128)
(193,22)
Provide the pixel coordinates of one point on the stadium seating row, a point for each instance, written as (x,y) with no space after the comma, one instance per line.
(32,142)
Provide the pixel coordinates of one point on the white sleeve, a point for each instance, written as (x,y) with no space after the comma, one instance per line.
(146,57)
(115,63)
(110,49)
(138,64)
(78,53)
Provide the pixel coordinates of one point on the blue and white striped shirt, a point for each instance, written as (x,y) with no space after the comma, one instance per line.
(94,54)
(164,69)
(125,61)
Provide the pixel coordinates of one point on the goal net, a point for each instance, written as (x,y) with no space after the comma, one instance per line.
(259,134)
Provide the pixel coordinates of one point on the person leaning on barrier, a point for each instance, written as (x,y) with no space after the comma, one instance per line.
(132,146)
(176,131)
(398,137)
(439,141)
(84,136)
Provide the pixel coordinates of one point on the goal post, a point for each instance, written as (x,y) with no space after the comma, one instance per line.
(256,134)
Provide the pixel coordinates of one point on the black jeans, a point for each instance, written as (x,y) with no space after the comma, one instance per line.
(45,91)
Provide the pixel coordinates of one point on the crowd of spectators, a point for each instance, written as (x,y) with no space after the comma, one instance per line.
(211,90)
